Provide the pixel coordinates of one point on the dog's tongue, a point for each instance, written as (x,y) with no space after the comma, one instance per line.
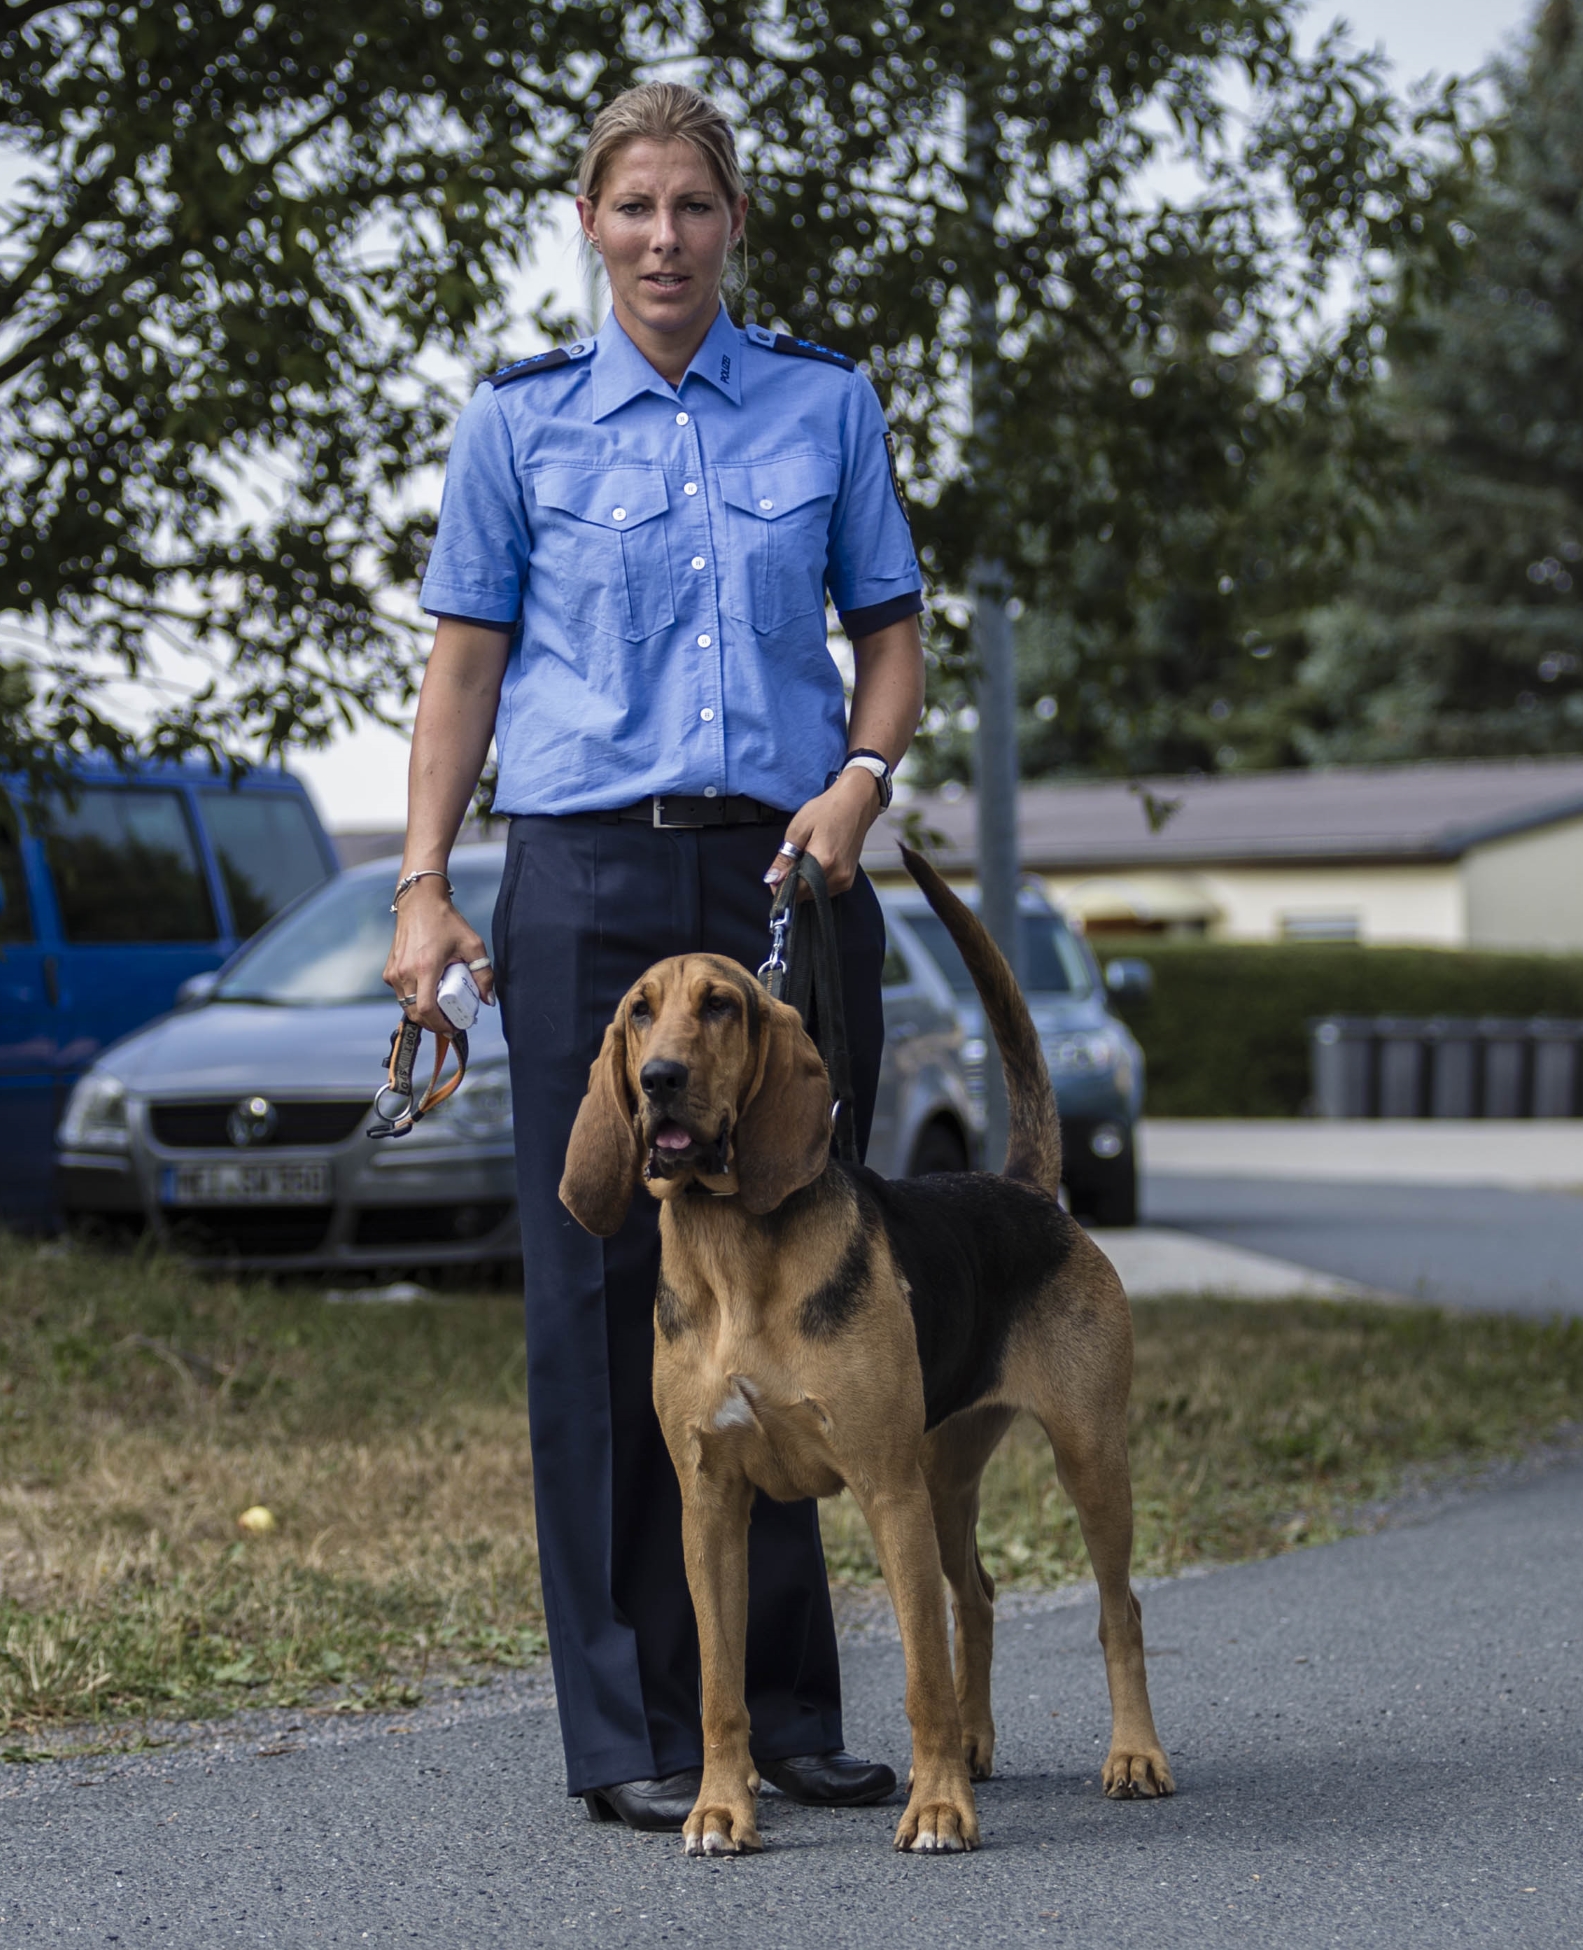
(671,1137)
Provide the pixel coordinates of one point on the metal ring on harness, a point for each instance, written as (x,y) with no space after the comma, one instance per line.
(398,1085)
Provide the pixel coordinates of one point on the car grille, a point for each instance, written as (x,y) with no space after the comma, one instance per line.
(248,1231)
(429,1225)
(202,1127)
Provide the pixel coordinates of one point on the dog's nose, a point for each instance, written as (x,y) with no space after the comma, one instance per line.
(662,1077)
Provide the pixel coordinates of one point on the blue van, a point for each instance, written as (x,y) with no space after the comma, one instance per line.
(134,882)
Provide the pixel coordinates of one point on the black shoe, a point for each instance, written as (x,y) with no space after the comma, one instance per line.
(663,1804)
(838,1780)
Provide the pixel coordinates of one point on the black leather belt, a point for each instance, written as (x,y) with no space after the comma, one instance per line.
(673,809)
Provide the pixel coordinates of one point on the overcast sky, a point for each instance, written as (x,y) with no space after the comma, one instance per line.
(361,782)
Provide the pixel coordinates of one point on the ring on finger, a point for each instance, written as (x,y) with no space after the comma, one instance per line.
(406,1001)
(483,961)
(791,849)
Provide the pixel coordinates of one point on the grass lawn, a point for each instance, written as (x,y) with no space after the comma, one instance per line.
(143,1408)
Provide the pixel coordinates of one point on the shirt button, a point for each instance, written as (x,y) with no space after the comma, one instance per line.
(618,514)
(766,504)
(681,419)
(707,715)
(698,561)
(709,792)
(704,641)
(689,487)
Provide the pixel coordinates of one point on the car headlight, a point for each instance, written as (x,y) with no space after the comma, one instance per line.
(974,1053)
(1084,1052)
(481,1108)
(95,1117)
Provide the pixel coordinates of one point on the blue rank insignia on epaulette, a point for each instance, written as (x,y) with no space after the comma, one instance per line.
(560,355)
(799,348)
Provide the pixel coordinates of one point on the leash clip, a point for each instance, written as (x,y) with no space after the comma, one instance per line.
(776,964)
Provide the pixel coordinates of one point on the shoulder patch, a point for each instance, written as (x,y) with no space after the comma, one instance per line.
(560,355)
(798,348)
(895,477)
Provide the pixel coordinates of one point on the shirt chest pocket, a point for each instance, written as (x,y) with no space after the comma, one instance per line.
(599,546)
(777,518)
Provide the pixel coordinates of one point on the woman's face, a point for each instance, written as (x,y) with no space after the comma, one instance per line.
(663,228)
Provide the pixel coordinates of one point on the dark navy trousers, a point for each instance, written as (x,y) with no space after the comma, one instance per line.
(585,906)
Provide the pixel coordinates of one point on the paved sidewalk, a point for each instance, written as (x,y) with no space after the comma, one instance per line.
(1377,1743)
(1156,1262)
(1523,1154)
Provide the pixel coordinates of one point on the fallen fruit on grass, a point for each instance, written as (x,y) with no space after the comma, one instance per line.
(257,1521)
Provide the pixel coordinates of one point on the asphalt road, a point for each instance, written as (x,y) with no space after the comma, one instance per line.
(1376,1742)
(1459,1246)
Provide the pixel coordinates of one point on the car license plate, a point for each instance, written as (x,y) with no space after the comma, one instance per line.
(239,1184)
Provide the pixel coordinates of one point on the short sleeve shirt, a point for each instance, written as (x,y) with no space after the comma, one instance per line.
(662,556)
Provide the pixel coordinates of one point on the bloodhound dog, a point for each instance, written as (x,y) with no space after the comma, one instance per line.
(819,1327)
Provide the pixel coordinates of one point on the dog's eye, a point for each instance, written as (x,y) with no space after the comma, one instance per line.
(720,1005)
(641,1012)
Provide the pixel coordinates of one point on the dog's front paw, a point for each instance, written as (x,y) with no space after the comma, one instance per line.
(1137,1774)
(714,1829)
(939,1822)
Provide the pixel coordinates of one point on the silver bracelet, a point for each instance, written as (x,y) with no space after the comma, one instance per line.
(412,879)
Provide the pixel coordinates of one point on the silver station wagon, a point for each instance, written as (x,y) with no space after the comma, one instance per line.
(235,1129)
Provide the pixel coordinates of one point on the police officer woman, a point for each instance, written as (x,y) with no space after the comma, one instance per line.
(636,541)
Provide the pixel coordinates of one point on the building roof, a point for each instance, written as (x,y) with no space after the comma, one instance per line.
(1342,814)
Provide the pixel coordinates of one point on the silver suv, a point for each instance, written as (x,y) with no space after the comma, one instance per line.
(235,1127)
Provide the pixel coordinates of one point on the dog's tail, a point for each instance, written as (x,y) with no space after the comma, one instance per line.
(1033,1152)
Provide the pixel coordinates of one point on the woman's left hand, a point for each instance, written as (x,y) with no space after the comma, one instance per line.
(833,828)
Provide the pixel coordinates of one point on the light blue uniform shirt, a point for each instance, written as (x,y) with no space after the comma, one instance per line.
(662,556)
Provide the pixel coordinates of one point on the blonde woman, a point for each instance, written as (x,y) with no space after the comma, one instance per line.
(638,537)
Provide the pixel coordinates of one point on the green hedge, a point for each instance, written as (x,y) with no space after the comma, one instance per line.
(1226,1030)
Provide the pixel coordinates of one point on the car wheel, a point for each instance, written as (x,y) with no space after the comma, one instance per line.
(940,1148)
(1111,1200)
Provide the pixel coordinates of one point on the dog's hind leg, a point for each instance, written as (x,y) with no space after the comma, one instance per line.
(953,1463)
(1091,1459)
(941,1816)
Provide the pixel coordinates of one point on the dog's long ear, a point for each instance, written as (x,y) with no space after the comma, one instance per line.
(603,1158)
(783,1134)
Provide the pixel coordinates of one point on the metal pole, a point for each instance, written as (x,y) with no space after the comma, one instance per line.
(995,752)
(996,767)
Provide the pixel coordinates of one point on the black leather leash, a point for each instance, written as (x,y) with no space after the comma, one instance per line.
(804,970)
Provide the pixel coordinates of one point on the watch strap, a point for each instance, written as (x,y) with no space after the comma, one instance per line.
(878,768)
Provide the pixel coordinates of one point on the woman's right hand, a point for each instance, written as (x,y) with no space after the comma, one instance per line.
(430,935)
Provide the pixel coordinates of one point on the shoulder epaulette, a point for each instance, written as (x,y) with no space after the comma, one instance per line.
(799,348)
(560,355)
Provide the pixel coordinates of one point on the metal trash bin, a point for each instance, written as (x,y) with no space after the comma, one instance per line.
(1506,1048)
(1453,1049)
(1342,1058)
(1497,1066)
(1401,1067)
(1555,1068)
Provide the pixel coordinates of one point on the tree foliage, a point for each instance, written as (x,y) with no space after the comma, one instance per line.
(245,239)
(254,248)
(1462,632)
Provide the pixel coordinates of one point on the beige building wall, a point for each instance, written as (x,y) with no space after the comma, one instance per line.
(1527,892)
(1416,906)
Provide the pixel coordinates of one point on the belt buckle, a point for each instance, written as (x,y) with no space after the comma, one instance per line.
(672,825)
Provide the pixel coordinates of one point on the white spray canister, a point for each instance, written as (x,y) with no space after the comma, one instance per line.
(458,997)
